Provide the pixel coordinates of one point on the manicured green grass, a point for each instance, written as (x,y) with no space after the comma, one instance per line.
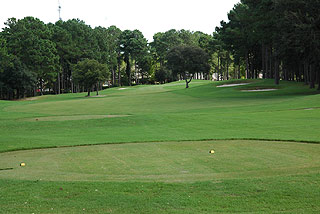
(164,161)
(280,194)
(155,159)
(163,113)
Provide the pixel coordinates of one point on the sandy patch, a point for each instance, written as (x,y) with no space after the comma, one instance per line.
(122,88)
(258,90)
(232,85)
(29,99)
(99,96)
(76,117)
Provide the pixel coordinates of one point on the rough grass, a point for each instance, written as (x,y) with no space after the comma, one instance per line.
(157,160)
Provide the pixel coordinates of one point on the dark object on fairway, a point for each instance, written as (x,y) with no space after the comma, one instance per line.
(61,188)
(6,169)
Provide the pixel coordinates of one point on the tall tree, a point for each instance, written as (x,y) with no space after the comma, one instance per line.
(132,45)
(75,41)
(113,37)
(15,79)
(188,60)
(35,50)
(89,72)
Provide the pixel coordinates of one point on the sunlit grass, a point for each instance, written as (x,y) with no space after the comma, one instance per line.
(156,158)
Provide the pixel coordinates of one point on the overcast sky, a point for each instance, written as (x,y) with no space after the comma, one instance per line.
(148,16)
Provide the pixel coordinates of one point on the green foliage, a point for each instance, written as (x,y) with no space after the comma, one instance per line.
(164,42)
(15,78)
(278,39)
(133,46)
(88,72)
(36,51)
(163,75)
(188,60)
(113,35)
(4,56)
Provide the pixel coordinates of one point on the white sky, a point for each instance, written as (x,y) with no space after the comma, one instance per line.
(148,16)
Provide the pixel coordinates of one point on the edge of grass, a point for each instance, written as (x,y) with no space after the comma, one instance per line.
(136,142)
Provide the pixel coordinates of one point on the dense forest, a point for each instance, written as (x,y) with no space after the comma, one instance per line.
(276,39)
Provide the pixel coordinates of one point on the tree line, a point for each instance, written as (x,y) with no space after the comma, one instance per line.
(70,56)
(276,39)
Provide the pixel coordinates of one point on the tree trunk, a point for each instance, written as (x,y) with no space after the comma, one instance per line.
(234,69)
(218,76)
(263,61)
(276,71)
(188,81)
(62,82)
(318,79)
(300,71)
(306,73)
(59,82)
(271,61)
(247,65)
(72,87)
(312,76)
(227,67)
(89,90)
(18,94)
(119,75)
(128,70)
(97,88)
(41,86)
(113,77)
(119,70)
(135,71)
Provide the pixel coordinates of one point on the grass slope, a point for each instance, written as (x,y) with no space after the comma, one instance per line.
(163,113)
(172,171)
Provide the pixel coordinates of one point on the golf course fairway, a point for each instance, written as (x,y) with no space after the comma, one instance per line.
(146,149)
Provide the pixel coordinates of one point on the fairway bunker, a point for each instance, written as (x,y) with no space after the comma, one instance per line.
(29,99)
(232,85)
(260,90)
(98,96)
(75,117)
